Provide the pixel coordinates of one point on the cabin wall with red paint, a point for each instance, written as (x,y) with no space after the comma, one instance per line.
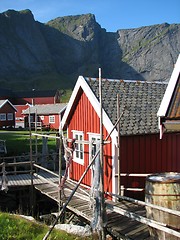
(84,118)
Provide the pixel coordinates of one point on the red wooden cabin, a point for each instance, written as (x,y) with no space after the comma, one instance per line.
(48,115)
(141,150)
(7,114)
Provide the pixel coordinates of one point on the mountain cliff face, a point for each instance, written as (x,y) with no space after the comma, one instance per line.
(54,54)
(23,48)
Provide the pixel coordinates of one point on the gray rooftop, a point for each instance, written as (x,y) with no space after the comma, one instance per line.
(139,100)
(44,109)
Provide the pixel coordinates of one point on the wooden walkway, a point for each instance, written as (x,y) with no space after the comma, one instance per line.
(117,225)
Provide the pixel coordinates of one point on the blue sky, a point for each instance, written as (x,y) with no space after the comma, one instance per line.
(110,14)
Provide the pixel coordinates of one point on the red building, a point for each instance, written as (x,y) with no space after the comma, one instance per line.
(36,97)
(141,150)
(7,114)
(19,117)
(45,115)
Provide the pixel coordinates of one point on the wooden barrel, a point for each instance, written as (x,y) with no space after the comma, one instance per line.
(164,190)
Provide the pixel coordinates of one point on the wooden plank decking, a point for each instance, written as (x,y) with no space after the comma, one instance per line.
(117,224)
(25,179)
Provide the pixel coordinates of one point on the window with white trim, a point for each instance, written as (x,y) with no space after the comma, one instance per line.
(51,119)
(94,140)
(2,117)
(79,147)
(10,116)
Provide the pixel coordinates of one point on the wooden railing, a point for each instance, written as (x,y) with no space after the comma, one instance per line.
(134,189)
(14,167)
(150,222)
(22,164)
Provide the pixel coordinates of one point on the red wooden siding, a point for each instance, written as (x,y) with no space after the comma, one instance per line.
(7,108)
(85,119)
(39,100)
(45,121)
(140,154)
(20,108)
(148,154)
(54,125)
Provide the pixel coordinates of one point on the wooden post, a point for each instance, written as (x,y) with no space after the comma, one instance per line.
(36,132)
(31,170)
(60,171)
(119,151)
(102,207)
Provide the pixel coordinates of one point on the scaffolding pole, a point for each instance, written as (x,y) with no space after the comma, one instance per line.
(102,234)
(119,151)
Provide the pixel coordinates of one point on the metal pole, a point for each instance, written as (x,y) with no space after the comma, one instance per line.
(102,207)
(119,162)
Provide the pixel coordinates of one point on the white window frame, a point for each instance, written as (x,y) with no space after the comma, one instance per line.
(50,120)
(93,137)
(2,116)
(10,116)
(78,155)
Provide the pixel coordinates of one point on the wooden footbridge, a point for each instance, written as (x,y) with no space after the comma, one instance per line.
(125,218)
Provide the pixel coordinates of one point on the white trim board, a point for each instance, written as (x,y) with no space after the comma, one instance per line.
(81,83)
(169,90)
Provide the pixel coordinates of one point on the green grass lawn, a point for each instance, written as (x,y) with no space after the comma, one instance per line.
(14,227)
(18,142)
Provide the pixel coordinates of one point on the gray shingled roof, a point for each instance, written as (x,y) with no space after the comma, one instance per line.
(140,101)
(44,109)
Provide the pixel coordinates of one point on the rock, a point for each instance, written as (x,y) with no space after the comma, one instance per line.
(27,217)
(75,229)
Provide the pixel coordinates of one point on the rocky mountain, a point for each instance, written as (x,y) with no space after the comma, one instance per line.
(53,55)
